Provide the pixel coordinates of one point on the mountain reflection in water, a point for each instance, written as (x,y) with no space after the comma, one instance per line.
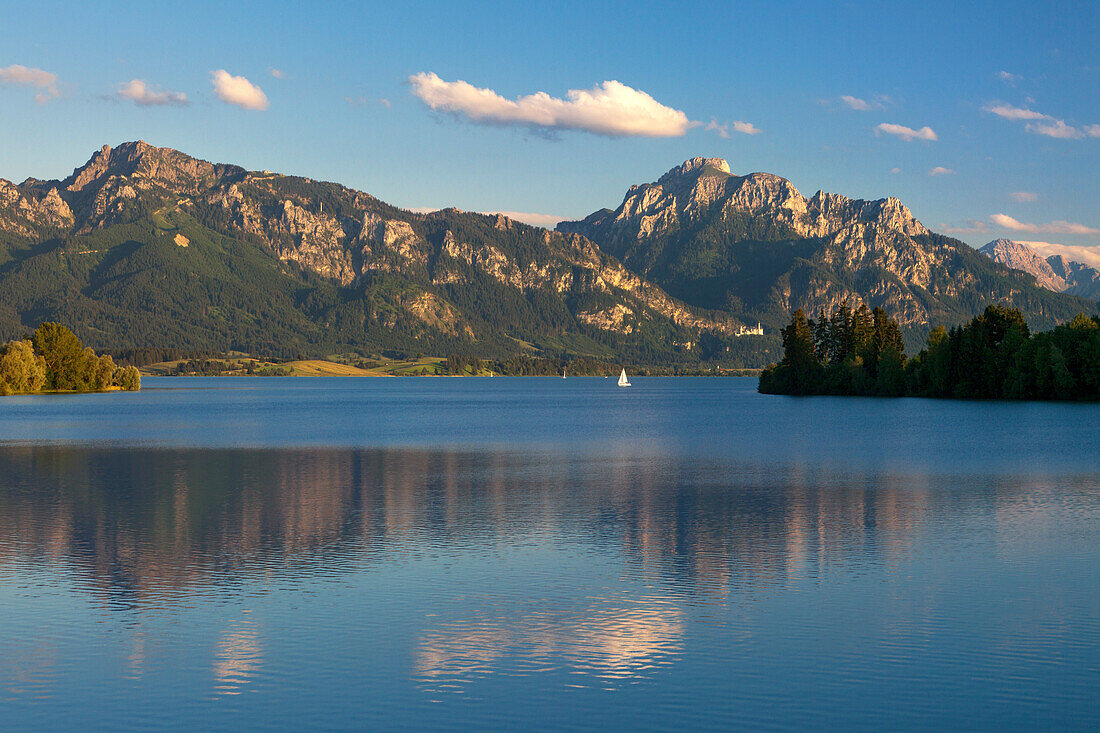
(422,575)
(143,524)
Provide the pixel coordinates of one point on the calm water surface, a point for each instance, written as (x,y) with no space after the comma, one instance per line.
(539,553)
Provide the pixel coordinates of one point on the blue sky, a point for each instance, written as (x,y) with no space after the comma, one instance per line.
(1010,92)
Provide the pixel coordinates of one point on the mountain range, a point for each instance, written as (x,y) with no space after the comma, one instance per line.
(753,246)
(1055,272)
(145,246)
(148,247)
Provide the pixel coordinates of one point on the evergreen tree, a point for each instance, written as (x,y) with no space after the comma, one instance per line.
(802,367)
(995,356)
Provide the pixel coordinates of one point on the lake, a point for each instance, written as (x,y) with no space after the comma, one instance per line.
(542,553)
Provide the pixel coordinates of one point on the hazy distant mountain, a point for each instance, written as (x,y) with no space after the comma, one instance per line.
(1082,280)
(1054,272)
(1021,257)
(755,246)
(146,246)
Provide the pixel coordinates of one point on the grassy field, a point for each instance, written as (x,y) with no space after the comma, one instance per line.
(322,368)
(426,366)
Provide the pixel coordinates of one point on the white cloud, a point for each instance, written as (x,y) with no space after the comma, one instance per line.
(610,108)
(906,133)
(746,127)
(238,90)
(1057,129)
(277,73)
(855,103)
(1043,124)
(1054,227)
(1024,197)
(360,101)
(721,130)
(146,95)
(1015,113)
(895,170)
(862,105)
(939,170)
(1008,222)
(1009,78)
(1087,255)
(26,76)
(973,226)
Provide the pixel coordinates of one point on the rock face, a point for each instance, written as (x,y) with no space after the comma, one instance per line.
(1053,273)
(1081,280)
(705,187)
(344,259)
(140,160)
(1021,257)
(26,212)
(755,246)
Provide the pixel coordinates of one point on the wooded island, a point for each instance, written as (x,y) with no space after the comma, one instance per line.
(995,356)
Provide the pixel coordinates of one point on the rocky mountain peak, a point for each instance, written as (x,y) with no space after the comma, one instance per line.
(1019,256)
(691,169)
(120,161)
(705,188)
(166,166)
(1055,272)
(1006,247)
(893,214)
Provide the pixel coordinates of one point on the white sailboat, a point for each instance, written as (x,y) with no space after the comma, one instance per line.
(623,382)
(563,373)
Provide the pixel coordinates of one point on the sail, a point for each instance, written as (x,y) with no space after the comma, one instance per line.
(623,380)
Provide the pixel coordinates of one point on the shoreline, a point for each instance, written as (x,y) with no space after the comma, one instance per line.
(422,366)
(750,374)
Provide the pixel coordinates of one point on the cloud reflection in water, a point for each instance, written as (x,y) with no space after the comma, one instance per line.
(615,640)
(238,657)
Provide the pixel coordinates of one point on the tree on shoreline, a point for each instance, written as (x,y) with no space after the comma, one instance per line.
(21,370)
(64,355)
(55,360)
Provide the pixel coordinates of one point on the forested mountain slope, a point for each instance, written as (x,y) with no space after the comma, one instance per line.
(754,246)
(148,247)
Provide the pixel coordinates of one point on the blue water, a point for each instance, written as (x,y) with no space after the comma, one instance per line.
(538,553)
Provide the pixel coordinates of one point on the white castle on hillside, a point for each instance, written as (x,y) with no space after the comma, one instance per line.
(742,331)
